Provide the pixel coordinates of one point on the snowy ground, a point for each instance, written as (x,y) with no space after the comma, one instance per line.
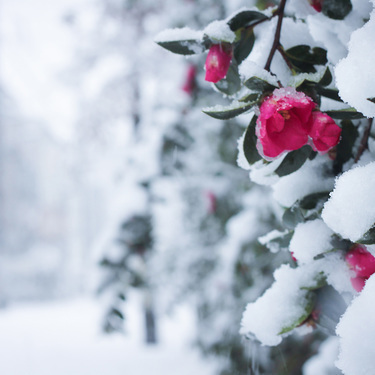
(63,338)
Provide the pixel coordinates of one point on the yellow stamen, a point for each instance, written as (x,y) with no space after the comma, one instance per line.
(285,114)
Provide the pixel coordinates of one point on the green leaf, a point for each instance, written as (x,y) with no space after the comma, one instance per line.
(245,18)
(368,238)
(282,242)
(371,100)
(249,143)
(327,78)
(184,47)
(311,201)
(303,57)
(344,150)
(336,9)
(226,113)
(320,281)
(329,93)
(293,216)
(250,98)
(304,53)
(308,301)
(345,114)
(244,46)
(232,82)
(293,161)
(259,84)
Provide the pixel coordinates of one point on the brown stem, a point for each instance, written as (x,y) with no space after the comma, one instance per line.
(364,141)
(276,42)
(285,57)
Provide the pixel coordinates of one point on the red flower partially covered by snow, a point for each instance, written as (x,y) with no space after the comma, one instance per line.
(287,122)
(362,263)
(316,4)
(218,61)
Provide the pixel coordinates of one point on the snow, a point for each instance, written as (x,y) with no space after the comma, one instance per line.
(355,75)
(220,31)
(323,362)
(306,244)
(309,179)
(356,331)
(64,337)
(349,211)
(250,69)
(184,33)
(281,306)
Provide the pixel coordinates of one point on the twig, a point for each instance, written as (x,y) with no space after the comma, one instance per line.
(276,42)
(364,141)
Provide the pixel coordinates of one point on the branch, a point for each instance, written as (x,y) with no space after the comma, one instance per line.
(276,42)
(364,141)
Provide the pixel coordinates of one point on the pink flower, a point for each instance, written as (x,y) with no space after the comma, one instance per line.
(362,263)
(189,84)
(218,62)
(284,122)
(324,132)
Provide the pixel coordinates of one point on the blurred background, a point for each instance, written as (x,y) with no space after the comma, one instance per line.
(128,234)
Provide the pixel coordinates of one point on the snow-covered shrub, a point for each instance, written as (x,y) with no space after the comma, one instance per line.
(302,71)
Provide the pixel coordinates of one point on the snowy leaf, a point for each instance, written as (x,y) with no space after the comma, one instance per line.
(278,242)
(345,114)
(249,143)
(184,47)
(312,200)
(293,216)
(368,238)
(259,84)
(245,18)
(308,302)
(225,113)
(293,161)
(336,9)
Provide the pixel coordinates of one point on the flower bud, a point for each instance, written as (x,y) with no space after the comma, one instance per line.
(218,62)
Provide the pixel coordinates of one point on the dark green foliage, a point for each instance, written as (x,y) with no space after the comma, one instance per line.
(344,150)
(303,57)
(249,143)
(294,161)
(244,46)
(368,238)
(232,82)
(246,19)
(259,84)
(226,113)
(345,114)
(185,47)
(336,9)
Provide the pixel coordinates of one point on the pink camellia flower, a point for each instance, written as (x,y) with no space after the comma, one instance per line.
(324,132)
(362,263)
(189,84)
(218,61)
(284,122)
